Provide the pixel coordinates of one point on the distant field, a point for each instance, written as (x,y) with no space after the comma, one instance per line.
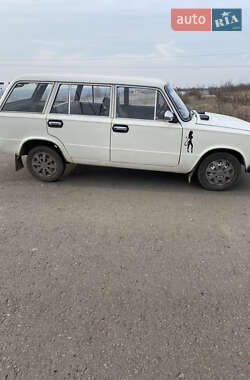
(227,99)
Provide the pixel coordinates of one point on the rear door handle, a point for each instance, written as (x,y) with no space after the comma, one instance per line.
(55,123)
(120,128)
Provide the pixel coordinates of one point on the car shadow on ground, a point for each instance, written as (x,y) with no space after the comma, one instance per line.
(120,178)
(94,176)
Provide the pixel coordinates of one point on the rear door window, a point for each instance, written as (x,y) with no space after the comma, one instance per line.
(80,99)
(28,97)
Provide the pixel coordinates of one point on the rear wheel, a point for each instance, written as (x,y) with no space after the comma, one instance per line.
(219,171)
(45,164)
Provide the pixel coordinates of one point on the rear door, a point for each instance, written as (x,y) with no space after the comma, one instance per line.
(139,133)
(80,119)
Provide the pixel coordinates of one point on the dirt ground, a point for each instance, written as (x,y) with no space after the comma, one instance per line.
(119,274)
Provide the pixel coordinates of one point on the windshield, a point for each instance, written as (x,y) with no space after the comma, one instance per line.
(181,108)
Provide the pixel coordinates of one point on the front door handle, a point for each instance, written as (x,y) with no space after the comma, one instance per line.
(120,128)
(55,123)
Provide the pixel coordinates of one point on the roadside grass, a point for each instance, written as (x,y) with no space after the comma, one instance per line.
(228,99)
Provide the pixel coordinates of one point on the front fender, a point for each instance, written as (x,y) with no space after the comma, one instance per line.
(235,151)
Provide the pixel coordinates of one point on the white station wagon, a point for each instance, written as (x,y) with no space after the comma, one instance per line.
(136,123)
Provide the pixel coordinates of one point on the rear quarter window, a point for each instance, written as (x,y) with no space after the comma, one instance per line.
(28,97)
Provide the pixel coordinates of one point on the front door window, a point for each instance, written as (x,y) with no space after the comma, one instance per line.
(140,103)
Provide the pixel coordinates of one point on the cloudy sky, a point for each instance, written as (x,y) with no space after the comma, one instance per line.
(129,37)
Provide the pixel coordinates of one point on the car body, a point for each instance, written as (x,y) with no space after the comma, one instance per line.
(126,122)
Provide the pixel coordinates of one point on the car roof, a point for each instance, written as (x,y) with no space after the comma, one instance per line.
(100,79)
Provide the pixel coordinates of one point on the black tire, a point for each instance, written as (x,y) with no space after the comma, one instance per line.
(219,171)
(45,164)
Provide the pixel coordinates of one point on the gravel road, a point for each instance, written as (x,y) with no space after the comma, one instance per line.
(119,274)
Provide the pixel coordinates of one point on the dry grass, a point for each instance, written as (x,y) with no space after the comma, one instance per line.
(227,99)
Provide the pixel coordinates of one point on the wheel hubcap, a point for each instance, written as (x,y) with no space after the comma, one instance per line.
(220,172)
(43,164)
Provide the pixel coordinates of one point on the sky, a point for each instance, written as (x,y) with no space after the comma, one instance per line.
(129,37)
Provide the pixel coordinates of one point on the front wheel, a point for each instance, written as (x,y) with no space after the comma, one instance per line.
(219,171)
(45,164)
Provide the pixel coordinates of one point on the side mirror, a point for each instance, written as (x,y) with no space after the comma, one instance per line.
(168,116)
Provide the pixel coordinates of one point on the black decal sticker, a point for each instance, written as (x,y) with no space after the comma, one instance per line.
(189,142)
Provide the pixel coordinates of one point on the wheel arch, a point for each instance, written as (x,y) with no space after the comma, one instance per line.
(27,145)
(234,152)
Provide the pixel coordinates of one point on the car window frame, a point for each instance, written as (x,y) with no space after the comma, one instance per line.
(166,87)
(28,81)
(57,87)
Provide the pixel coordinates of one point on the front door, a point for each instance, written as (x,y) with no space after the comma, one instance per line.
(80,119)
(139,133)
